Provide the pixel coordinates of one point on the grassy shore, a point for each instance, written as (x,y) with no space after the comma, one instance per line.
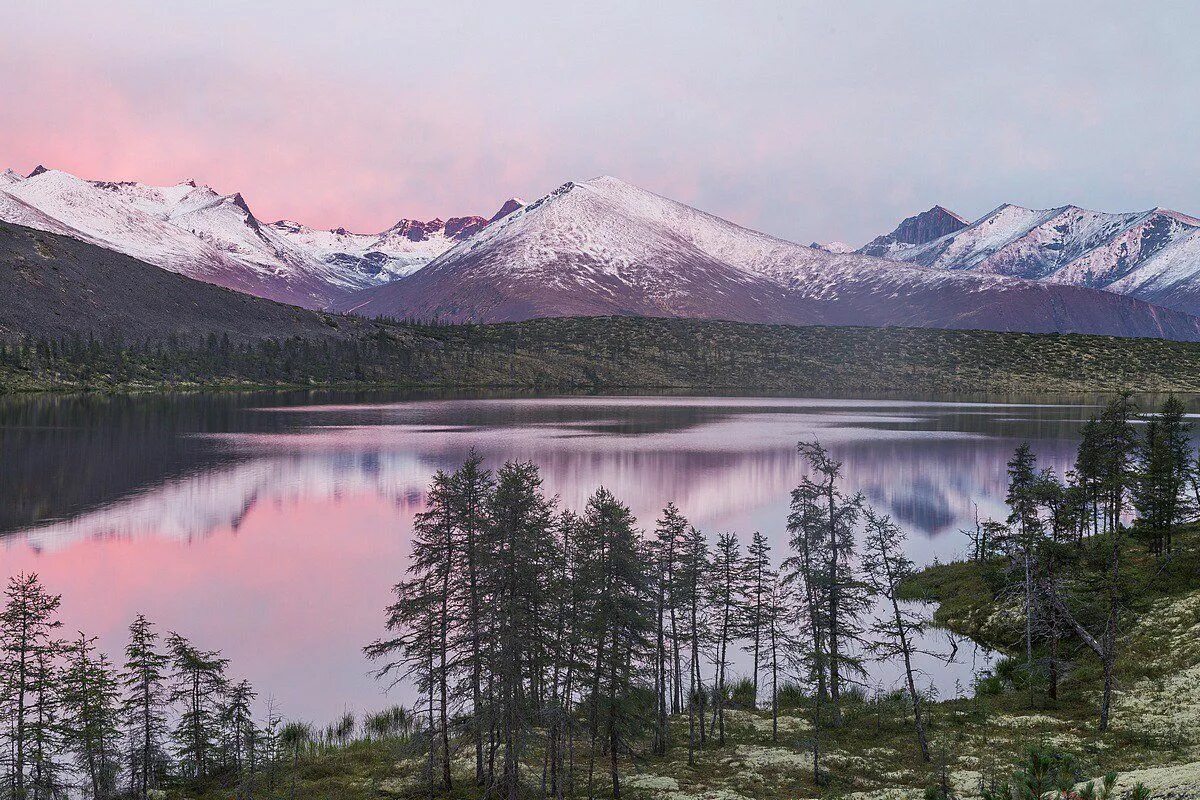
(630,352)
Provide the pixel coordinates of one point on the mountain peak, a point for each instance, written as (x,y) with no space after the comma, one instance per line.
(38,170)
(917,229)
(510,205)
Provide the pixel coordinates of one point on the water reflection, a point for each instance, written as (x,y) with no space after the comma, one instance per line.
(272,526)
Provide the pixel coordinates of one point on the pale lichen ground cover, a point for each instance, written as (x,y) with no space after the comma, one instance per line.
(1162,708)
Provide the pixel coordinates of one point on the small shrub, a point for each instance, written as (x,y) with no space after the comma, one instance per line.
(742,693)
(791,696)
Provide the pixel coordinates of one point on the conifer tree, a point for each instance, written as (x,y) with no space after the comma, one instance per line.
(143,677)
(433,558)
(693,566)
(1026,529)
(835,515)
(897,630)
(521,549)
(726,587)
(1163,472)
(760,578)
(661,556)
(620,624)
(45,724)
(28,623)
(91,711)
(240,735)
(470,499)
(778,641)
(198,684)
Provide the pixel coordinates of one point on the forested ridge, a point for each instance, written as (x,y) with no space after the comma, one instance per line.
(565,652)
(605,352)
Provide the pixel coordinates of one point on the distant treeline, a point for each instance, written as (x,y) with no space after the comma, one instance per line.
(88,360)
(615,352)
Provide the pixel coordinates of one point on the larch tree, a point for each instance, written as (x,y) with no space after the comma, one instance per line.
(28,624)
(620,624)
(898,630)
(433,559)
(470,498)
(198,685)
(726,587)
(690,576)
(1160,489)
(91,715)
(669,534)
(144,676)
(842,595)
(410,653)
(1026,531)
(760,577)
(522,552)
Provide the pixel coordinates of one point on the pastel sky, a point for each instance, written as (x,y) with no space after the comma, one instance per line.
(796,118)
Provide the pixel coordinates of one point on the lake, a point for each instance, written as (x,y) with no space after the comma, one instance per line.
(273,526)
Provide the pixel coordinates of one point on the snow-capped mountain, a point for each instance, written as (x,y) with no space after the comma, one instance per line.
(606,247)
(198,232)
(1151,255)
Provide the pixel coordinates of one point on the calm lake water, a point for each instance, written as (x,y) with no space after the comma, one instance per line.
(273,526)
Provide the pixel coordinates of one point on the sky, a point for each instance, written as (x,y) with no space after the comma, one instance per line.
(799,119)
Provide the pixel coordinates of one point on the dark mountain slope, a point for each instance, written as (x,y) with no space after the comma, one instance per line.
(57,286)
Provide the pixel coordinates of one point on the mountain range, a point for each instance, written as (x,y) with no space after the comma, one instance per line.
(198,232)
(1151,255)
(605,247)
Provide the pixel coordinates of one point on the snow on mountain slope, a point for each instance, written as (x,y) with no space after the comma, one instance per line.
(203,234)
(832,247)
(606,247)
(118,225)
(1151,255)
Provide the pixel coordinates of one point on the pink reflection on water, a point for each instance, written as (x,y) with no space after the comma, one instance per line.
(290,596)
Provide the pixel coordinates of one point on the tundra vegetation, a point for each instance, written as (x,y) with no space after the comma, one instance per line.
(570,653)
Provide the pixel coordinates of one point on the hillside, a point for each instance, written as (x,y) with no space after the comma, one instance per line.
(605,247)
(56,286)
